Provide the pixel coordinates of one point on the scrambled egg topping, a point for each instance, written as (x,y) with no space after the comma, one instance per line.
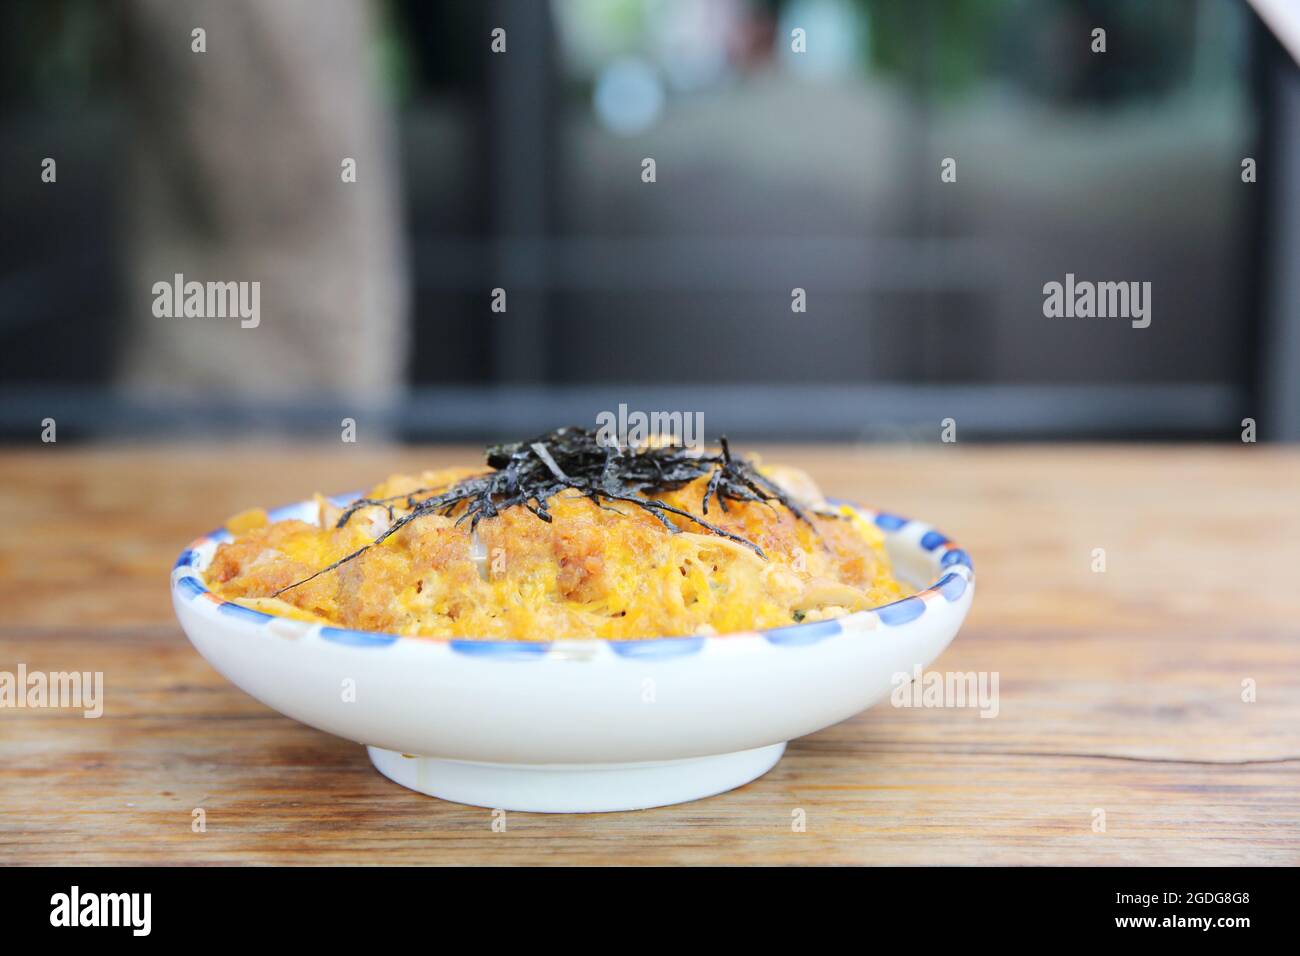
(609,570)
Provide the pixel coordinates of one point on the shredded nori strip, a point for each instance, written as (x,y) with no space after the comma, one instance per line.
(527,474)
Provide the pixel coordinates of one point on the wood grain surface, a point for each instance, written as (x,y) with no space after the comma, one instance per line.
(1119,691)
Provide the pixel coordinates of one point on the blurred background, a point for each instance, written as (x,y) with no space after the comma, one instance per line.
(521,169)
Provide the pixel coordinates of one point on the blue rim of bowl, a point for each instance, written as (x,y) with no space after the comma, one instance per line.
(957,575)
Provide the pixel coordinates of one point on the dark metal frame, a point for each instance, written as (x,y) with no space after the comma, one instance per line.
(1276,405)
(909,413)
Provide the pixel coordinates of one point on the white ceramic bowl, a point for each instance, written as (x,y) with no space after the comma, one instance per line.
(580,725)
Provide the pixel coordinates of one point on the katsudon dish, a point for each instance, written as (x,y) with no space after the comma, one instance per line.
(566,536)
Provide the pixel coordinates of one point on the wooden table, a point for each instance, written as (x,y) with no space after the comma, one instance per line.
(1120,691)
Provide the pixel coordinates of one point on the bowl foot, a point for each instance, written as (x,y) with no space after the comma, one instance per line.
(575,788)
